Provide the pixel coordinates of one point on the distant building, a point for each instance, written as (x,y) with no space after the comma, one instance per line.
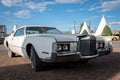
(73,32)
(2,33)
(3,28)
(115,32)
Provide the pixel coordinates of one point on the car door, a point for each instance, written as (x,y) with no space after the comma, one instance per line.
(17,41)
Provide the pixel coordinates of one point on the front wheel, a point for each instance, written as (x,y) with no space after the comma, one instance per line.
(36,63)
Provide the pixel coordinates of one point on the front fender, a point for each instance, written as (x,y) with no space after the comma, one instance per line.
(42,45)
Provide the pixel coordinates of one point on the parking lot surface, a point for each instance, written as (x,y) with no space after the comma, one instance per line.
(102,68)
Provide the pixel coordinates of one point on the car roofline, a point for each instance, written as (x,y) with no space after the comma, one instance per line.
(34,26)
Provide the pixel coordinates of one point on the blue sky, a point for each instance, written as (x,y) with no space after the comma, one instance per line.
(59,13)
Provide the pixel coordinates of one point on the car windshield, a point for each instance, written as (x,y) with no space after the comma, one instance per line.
(42,30)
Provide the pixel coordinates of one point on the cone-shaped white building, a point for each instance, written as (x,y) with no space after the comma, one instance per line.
(101,26)
(85,27)
(15,26)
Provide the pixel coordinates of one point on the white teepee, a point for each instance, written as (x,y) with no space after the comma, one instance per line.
(15,27)
(101,26)
(85,27)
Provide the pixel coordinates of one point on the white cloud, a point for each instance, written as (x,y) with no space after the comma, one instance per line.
(70,1)
(107,6)
(22,14)
(11,3)
(82,9)
(94,8)
(70,10)
(41,6)
(114,23)
(94,17)
(7,12)
(110,5)
(109,16)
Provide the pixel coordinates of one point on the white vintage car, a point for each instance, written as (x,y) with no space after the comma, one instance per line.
(47,45)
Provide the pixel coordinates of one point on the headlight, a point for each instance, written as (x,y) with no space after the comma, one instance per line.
(110,43)
(100,45)
(103,45)
(59,47)
(65,47)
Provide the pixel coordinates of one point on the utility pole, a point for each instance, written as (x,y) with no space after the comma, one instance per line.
(75,26)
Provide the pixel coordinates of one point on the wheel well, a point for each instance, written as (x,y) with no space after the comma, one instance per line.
(28,47)
(114,38)
(7,44)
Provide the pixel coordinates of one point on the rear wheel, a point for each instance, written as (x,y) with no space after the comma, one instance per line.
(114,39)
(36,63)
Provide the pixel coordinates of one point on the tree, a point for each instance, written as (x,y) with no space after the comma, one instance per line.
(106,31)
(84,32)
(81,26)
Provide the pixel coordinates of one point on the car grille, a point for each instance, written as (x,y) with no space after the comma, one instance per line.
(87,46)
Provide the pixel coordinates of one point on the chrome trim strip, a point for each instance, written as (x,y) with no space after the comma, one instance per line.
(85,57)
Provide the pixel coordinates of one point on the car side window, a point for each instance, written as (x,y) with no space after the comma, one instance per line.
(19,32)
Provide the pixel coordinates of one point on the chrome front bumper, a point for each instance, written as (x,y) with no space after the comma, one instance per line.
(74,56)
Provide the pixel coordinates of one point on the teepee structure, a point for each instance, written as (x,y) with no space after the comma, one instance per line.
(101,26)
(15,26)
(85,27)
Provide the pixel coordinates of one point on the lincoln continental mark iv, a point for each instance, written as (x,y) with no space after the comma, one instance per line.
(44,45)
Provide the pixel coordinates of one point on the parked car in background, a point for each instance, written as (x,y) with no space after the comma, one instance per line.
(44,45)
(113,38)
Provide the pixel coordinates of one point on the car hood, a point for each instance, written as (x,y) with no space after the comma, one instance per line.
(65,37)
(60,37)
(99,38)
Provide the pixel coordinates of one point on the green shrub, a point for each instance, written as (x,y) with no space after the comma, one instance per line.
(81,26)
(84,32)
(106,31)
